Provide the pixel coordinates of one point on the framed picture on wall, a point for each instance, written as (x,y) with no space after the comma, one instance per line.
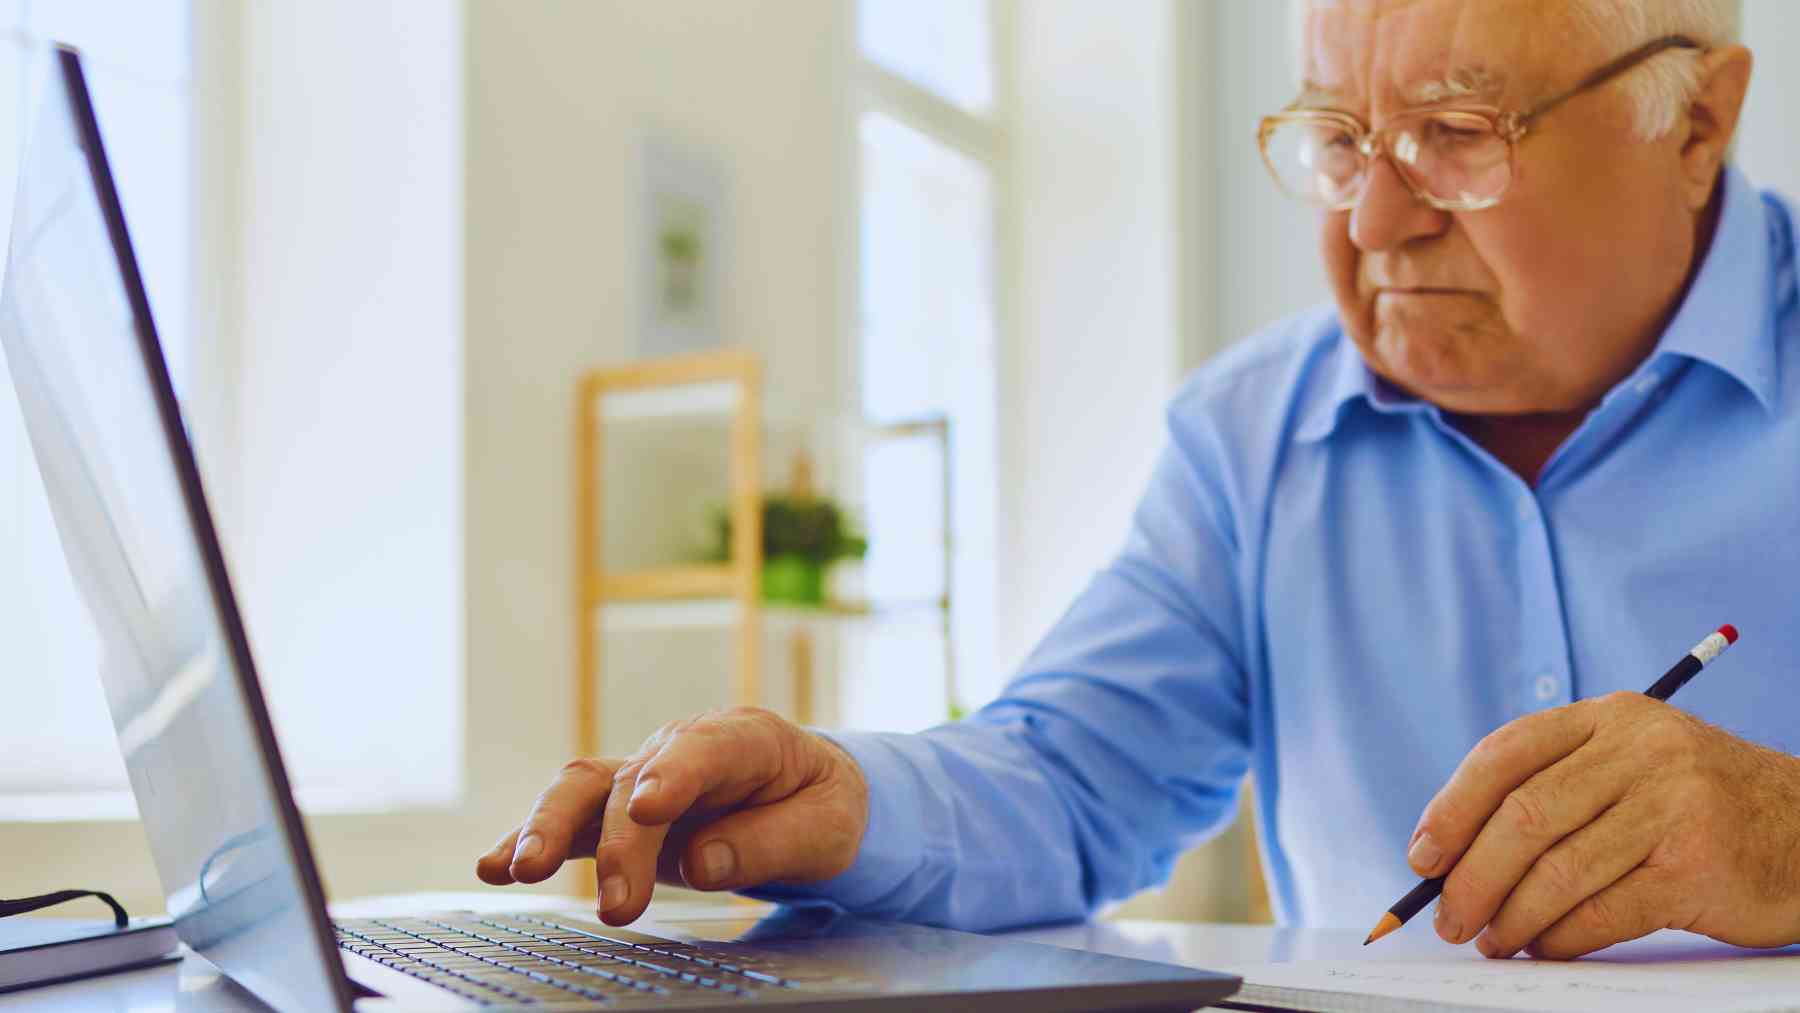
(682,248)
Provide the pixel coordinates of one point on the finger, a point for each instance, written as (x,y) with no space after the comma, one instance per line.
(1580,866)
(492,866)
(561,813)
(625,861)
(1641,902)
(1497,765)
(495,866)
(810,836)
(745,757)
(1550,805)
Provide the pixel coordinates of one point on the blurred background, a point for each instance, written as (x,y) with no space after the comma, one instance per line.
(496,321)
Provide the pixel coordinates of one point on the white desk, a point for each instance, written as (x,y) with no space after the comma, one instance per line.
(194,986)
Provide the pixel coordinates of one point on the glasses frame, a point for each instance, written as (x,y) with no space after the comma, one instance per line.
(1510,127)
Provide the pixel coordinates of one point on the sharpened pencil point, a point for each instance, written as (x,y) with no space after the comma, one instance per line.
(1387,924)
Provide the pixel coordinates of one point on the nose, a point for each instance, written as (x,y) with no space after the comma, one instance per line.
(1387,214)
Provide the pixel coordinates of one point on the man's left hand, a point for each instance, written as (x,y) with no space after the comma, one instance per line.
(1572,829)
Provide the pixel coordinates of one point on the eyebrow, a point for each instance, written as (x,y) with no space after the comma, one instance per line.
(1466,82)
(1463,83)
(1313,96)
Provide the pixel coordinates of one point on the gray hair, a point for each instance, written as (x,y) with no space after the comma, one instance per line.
(1663,87)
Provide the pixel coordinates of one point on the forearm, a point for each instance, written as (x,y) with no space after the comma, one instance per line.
(1071,791)
(1123,740)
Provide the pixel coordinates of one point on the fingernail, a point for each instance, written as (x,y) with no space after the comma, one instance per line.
(1448,928)
(647,786)
(717,861)
(530,846)
(1425,855)
(613,892)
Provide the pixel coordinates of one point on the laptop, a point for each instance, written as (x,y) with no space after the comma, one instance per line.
(226,836)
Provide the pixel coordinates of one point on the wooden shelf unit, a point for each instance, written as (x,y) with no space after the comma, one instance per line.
(655,389)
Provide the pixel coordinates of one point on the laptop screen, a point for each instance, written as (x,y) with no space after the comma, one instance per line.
(94,391)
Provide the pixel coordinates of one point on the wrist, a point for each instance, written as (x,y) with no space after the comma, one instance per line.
(850,784)
(1786,811)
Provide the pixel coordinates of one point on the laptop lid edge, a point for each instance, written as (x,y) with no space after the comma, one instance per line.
(200,516)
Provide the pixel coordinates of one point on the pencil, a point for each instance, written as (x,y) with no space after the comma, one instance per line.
(1662,689)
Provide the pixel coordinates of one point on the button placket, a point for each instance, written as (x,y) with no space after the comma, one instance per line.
(1543,640)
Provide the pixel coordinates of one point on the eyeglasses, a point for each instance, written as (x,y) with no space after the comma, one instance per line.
(1454,159)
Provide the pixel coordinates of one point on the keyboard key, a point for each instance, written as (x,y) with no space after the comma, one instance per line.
(530,960)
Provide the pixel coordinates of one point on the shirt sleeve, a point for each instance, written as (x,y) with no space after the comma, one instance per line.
(1121,742)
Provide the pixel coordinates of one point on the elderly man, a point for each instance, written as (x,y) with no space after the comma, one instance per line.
(1416,553)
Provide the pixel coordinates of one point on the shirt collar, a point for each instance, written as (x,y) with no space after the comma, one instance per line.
(1347,378)
(1726,320)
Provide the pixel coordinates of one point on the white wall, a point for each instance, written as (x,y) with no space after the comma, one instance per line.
(560,95)
(349,381)
(1095,342)
(1265,249)
(1114,162)
(1768,135)
(328,403)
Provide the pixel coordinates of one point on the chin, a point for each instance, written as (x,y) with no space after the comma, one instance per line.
(1448,373)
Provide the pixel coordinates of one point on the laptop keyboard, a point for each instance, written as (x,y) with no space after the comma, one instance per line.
(531,959)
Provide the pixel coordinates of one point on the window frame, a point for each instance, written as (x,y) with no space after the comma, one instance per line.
(983,138)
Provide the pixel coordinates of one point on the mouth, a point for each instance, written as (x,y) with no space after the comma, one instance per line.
(1420,290)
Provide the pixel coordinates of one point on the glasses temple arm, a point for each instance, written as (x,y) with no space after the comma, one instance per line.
(1605,74)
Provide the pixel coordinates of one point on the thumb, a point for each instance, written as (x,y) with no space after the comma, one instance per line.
(811,835)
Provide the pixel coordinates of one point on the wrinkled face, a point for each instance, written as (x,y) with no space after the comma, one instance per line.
(1541,303)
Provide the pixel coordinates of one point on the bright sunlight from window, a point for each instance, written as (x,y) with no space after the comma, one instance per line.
(928,376)
(943,46)
(62,761)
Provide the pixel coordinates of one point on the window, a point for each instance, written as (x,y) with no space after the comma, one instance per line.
(62,760)
(945,47)
(928,146)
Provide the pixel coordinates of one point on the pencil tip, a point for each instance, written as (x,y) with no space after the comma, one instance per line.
(1389,922)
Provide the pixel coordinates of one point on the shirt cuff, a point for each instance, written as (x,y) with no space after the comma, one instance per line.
(893,843)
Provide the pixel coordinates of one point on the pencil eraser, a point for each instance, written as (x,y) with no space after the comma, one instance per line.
(1729,632)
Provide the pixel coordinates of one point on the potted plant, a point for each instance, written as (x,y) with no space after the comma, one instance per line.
(802,536)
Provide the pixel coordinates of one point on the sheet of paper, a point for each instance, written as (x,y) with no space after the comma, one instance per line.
(1643,980)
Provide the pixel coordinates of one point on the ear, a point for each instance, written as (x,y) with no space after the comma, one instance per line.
(1712,119)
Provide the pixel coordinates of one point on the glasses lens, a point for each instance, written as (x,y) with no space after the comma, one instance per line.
(1315,159)
(1455,158)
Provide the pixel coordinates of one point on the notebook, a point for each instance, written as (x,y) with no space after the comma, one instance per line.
(1665,972)
(39,951)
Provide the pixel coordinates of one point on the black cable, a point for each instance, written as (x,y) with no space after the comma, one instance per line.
(25,905)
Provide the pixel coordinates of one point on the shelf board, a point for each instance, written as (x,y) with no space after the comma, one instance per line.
(719,613)
(642,616)
(704,581)
(712,398)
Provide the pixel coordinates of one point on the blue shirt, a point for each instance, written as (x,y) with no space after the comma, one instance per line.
(1330,587)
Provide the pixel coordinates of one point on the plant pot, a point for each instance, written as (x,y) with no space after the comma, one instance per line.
(793,579)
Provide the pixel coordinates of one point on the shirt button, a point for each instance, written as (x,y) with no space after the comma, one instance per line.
(1527,508)
(1544,687)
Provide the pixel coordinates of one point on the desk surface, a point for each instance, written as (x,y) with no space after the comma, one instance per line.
(194,986)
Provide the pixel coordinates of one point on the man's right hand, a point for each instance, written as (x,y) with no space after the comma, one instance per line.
(724,801)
